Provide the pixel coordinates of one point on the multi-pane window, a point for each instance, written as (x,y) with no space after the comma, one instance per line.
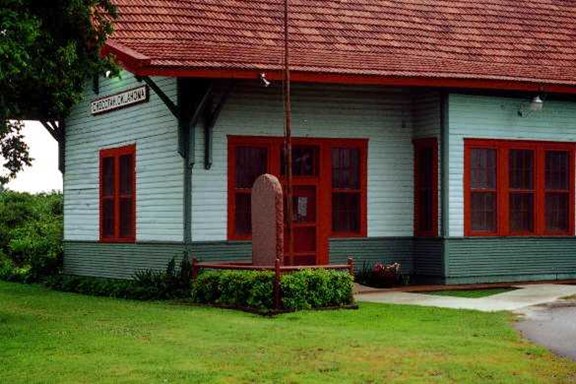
(346,192)
(483,189)
(521,190)
(117,195)
(250,163)
(557,191)
(425,187)
(518,188)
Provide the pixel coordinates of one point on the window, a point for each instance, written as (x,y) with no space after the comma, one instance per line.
(426,187)
(117,194)
(518,188)
(249,163)
(346,190)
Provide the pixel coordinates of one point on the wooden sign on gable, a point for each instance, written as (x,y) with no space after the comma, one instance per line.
(120,100)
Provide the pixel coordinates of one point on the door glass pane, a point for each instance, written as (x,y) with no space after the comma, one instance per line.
(108,176)
(521,169)
(557,170)
(483,211)
(304,161)
(557,212)
(346,212)
(304,204)
(482,168)
(346,168)
(251,162)
(126,174)
(521,212)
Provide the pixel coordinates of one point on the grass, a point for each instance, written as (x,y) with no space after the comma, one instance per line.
(53,337)
(471,293)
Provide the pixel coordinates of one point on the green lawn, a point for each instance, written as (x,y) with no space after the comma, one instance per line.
(51,337)
(470,293)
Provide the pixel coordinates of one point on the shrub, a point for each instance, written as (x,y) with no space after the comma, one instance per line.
(172,283)
(380,275)
(253,289)
(169,284)
(316,288)
(304,289)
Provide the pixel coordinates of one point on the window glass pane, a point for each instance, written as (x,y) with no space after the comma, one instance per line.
(425,210)
(521,212)
(108,176)
(483,211)
(251,162)
(521,168)
(557,170)
(424,186)
(483,168)
(557,212)
(346,212)
(346,168)
(126,217)
(108,217)
(126,174)
(243,214)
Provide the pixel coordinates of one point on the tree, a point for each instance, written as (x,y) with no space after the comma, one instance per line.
(48,49)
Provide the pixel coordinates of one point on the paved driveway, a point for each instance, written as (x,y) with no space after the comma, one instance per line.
(525,296)
(551,325)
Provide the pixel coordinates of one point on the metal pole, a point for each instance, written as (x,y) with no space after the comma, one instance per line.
(288,135)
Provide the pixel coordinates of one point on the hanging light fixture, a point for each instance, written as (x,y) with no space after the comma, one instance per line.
(536,105)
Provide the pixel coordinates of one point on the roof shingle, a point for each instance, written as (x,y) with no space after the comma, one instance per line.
(503,40)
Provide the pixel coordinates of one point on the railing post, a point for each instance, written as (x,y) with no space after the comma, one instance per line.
(351,266)
(194,268)
(276,287)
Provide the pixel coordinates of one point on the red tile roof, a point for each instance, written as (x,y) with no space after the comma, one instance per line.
(525,43)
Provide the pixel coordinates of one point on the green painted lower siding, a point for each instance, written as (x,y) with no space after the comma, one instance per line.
(428,260)
(372,250)
(117,260)
(122,260)
(481,260)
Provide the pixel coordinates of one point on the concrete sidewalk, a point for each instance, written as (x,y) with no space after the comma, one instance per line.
(523,297)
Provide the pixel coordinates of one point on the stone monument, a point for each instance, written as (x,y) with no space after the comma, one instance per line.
(267,221)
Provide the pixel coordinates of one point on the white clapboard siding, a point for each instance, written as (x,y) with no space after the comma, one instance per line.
(472,116)
(159,168)
(383,116)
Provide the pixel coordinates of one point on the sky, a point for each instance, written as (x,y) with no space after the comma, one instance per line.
(43,175)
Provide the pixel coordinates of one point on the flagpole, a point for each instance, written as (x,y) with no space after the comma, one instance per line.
(288,135)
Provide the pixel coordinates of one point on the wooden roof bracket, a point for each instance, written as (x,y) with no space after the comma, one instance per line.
(163,96)
(57,129)
(211,114)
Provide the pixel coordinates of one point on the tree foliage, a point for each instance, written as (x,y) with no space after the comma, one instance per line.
(48,49)
(31,228)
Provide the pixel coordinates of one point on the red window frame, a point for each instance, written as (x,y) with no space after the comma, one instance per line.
(420,145)
(325,189)
(503,190)
(117,196)
(361,191)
